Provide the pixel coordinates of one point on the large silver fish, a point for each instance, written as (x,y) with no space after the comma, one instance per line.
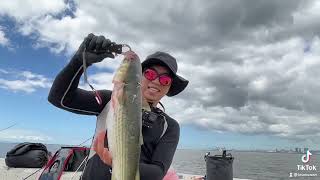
(123,119)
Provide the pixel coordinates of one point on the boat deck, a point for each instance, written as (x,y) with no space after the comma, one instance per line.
(21,173)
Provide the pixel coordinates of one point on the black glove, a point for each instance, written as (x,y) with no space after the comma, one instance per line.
(95,49)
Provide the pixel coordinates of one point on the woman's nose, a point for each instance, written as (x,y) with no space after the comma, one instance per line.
(156,81)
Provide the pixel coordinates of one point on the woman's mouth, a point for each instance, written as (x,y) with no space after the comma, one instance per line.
(153,89)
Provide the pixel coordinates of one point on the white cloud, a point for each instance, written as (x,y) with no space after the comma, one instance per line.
(24,81)
(4,41)
(109,64)
(23,10)
(98,81)
(4,71)
(21,135)
(280,82)
(60,35)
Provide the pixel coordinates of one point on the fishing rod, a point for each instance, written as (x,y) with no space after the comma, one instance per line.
(85,141)
(8,127)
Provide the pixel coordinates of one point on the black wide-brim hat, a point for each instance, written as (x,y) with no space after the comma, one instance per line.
(161,58)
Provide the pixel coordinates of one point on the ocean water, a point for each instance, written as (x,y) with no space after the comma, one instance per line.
(251,165)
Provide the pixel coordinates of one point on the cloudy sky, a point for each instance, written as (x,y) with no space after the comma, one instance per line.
(253,67)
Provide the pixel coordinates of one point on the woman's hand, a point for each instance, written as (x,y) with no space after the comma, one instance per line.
(98,147)
(93,45)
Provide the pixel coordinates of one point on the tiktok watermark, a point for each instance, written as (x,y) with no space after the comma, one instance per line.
(305,170)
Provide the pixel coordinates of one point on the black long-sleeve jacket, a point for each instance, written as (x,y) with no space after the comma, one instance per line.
(156,153)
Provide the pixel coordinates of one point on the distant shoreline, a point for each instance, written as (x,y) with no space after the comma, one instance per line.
(256,151)
(6,146)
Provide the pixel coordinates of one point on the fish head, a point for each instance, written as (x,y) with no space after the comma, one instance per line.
(127,80)
(130,71)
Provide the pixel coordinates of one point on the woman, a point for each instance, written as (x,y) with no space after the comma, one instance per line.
(159,79)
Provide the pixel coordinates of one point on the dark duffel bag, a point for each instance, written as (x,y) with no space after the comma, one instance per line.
(27,155)
(219,167)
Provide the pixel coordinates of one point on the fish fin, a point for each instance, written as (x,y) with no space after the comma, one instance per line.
(110,128)
(145,105)
(137,174)
(141,138)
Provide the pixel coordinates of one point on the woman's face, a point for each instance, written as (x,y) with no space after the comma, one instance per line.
(153,91)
